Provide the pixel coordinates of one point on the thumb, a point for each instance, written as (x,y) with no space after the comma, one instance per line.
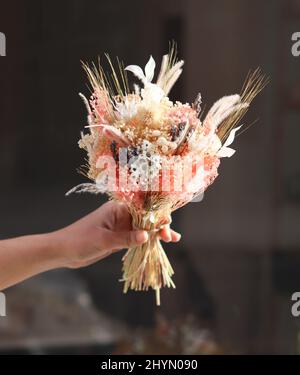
(124,239)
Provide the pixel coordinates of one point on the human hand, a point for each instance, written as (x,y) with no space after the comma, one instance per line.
(100,233)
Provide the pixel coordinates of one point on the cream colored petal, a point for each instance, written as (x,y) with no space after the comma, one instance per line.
(149,69)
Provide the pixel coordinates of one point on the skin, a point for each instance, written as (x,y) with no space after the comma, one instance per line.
(90,239)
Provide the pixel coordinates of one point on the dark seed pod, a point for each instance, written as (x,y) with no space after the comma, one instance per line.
(181,126)
(174,133)
(114,150)
(132,152)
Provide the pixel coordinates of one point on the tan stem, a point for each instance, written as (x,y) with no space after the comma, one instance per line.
(147,265)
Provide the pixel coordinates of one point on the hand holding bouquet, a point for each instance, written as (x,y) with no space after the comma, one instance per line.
(153,154)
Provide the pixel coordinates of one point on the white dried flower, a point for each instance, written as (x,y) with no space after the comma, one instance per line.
(162,141)
(172,145)
(165,149)
(128,107)
(156,133)
(146,146)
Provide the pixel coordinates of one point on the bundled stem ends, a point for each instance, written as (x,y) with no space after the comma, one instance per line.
(147,265)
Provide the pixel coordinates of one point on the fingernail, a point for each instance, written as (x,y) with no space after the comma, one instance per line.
(178,237)
(141,236)
(168,238)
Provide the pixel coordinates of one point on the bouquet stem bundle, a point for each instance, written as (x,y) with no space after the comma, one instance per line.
(147,265)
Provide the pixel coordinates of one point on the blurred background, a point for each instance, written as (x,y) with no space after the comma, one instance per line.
(238,262)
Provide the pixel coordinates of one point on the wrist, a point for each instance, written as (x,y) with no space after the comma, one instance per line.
(55,249)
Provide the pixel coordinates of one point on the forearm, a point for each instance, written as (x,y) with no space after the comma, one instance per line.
(23,257)
(88,240)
